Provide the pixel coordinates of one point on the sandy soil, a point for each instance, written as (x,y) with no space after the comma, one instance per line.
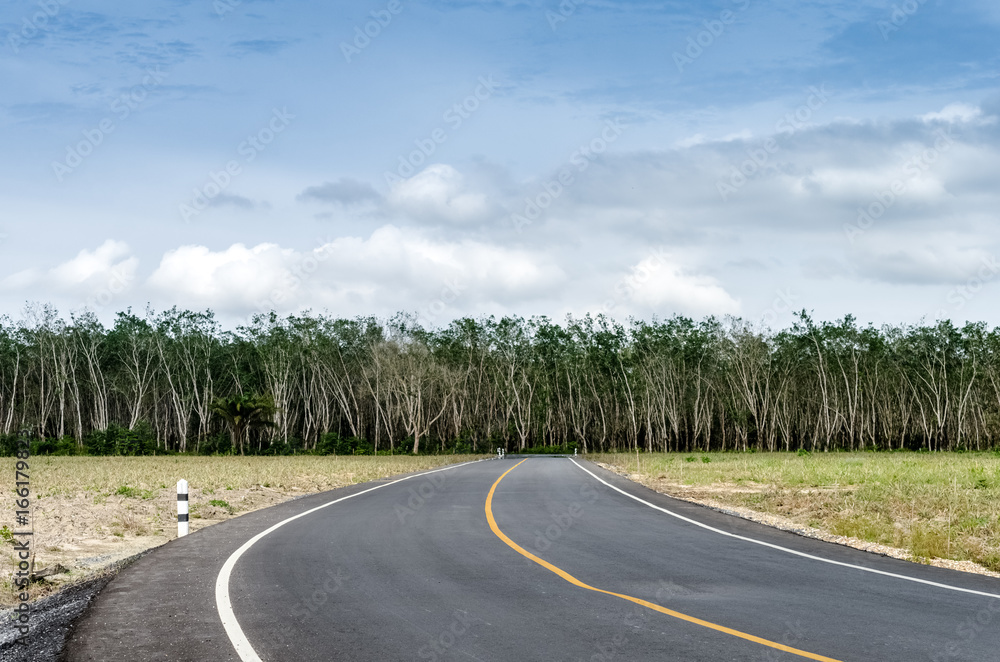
(87,533)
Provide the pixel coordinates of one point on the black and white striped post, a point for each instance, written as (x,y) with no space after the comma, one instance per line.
(182,508)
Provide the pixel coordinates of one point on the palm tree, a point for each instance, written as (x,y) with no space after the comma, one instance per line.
(243,413)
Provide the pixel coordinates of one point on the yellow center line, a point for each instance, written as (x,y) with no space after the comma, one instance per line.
(655,607)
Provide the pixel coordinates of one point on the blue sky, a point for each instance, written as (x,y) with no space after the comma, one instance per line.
(502,157)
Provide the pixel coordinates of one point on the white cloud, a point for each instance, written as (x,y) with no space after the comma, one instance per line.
(392,270)
(232,278)
(954,112)
(439,193)
(88,278)
(691,141)
(100,263)
(659,285)
(450,251)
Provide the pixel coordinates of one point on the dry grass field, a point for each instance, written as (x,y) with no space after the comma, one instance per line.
(930,505)
(90,512)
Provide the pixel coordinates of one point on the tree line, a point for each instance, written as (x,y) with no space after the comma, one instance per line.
(165,382)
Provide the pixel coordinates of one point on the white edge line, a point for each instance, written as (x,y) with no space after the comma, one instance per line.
(224,605)
(779,547)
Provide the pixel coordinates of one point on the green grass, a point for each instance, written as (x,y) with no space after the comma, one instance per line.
(133,492)
(934,505)
(219,503)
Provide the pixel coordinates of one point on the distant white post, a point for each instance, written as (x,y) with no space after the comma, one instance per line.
(182,508)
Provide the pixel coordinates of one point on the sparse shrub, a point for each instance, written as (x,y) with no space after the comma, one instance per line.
(118,440)
(549,450)
(63,446)
(133,492)
(128,522)
(216,444)
(928,542)
(991,562)
(332,443)
(220,503)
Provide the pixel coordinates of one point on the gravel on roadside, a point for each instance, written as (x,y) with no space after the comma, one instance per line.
(52,618)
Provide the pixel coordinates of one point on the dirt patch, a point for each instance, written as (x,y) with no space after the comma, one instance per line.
(87,533)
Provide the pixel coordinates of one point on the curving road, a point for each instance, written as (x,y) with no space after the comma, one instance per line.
(537,559)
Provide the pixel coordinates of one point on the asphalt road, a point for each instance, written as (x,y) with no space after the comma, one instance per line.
(540,560)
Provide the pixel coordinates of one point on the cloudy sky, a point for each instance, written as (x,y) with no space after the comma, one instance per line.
(455,158)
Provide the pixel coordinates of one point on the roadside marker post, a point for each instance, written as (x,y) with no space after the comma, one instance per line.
(182,508)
